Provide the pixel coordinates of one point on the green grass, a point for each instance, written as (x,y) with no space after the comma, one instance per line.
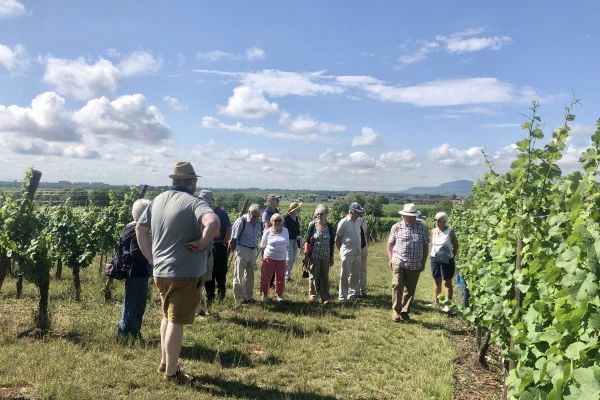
(290,350)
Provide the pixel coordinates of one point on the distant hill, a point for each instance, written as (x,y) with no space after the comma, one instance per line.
(462,188)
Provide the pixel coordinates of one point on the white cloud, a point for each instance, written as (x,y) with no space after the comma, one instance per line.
(282,83)
(305,124)
(446,156)
(113,53)
(501,125)
(404,159)
(420,54)
(46,119)
(127,117)
(248,103)
(83,80)
(456,43)
(267,168)
(446,92)
(251,54)
(353,160)
(477,91)
(214,123)
(368,137)
(582,130)
(14,57)
(173,103)
(11,8)
(254,54)
(139,63)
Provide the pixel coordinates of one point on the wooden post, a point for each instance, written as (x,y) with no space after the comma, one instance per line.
(143,192)
(19,285)
(511,363)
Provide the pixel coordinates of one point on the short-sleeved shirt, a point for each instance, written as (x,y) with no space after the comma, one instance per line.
(174,217)
(409,243)
(275,244)
(225,223)
(349,231)
(266,216)
(321,247)
(249,234)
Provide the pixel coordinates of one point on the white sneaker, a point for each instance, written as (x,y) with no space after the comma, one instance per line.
(434,304)
(279,298)
(266,299)
(446,309)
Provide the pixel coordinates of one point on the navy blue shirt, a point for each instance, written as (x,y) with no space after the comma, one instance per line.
(225,222)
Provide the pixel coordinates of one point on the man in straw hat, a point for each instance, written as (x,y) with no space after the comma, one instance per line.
(407,252)
(292,223)
(173,234)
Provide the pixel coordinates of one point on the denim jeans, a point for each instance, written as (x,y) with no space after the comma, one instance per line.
(134,305)
(291,258)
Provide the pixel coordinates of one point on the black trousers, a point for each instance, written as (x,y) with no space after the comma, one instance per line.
(219,273)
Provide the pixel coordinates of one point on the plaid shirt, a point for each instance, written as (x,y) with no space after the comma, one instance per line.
(408,244)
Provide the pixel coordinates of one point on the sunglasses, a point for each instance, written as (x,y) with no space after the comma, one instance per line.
(277,220)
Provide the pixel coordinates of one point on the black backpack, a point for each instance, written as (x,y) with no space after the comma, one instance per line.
(119,266)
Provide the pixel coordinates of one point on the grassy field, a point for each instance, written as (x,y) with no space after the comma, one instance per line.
(289,350)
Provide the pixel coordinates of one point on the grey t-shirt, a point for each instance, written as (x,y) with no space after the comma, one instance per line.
(174,217)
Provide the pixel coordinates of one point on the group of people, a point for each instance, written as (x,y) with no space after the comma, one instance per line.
(183,241)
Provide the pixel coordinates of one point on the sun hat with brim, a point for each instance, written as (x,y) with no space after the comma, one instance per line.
(183,170)
(409,210)
(356,207)
(294,206)
(207,196)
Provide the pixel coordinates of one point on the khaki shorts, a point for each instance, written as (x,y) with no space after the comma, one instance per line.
(180,296)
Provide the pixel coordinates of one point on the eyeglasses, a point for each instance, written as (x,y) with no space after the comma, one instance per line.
(254,216)
(277,220)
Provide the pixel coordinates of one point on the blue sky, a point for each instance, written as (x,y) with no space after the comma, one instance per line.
(342,95)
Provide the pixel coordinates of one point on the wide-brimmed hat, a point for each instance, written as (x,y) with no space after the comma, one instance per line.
(183,170)
(294,206)
(273,196)
(356,207)
(207,196)
(409,210)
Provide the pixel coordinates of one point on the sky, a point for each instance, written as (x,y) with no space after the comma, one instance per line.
(340,95)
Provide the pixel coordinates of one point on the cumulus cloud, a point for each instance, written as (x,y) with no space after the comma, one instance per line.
(447,156)
(128,117)
(305,124)
(354,160)
(139,63)
(173,103)
(248,103)
(13,58)
(251,54)
(214,123)
(11,8)
(368,137)
(83,80)
(404,159)
(46,119)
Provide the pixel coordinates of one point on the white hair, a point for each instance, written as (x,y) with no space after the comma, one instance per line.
(442,215)
(253,207)
(322,208)
(138,208)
